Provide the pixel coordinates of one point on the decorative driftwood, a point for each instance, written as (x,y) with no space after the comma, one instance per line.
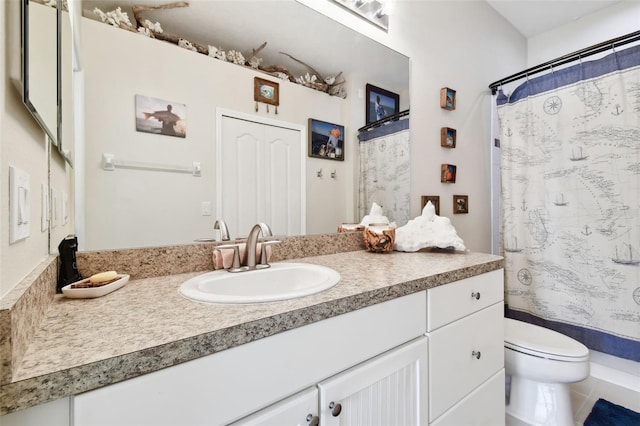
(379,242)
(254,52)
(330,86)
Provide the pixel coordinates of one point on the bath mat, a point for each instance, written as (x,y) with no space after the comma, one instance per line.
(605,413)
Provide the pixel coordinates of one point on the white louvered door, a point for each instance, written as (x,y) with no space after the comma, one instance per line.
(261,177)
(390,389)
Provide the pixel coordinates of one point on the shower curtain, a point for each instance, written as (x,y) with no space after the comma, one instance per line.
(570,171)
(385,170)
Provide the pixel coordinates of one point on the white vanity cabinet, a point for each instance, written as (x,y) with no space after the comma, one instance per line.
(299,409)
(466,351)
(229,385)
(387,390)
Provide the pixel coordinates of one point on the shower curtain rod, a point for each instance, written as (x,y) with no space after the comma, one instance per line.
(380,122)
(579,54)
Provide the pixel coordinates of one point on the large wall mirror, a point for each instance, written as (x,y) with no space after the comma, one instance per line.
(125,208)
(40,67)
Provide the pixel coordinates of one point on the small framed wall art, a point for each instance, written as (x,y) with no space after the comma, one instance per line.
(448,137)
(326,140)
(161,116)
(460,204)
(266,91)
(447,98)
(435,200)
(381,103)
(448,173)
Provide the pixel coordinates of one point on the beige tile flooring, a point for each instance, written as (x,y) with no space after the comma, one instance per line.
(585,394)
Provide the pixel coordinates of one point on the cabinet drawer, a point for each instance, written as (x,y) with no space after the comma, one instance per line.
(482,407)
(453,370)
(450,302)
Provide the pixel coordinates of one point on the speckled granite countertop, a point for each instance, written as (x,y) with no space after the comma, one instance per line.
(84,344)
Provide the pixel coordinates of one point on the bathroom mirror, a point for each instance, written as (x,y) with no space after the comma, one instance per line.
(128,205)
(40,65)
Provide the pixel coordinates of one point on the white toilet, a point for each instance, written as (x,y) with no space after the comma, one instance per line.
(542,363)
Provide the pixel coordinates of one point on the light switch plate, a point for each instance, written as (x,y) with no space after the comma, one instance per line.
(54,208)
(206,208)
(19,204)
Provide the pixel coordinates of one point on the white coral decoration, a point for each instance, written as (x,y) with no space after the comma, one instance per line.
(115,17)
(255,62)
(155,27)
(330,80)
(144,31)
(214,52)
(282,75)
(235,57)
(306,79)
(186,44)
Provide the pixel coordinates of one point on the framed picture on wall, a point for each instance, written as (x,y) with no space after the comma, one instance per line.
(460,204)
(448,137)
(381,103)
(326,140)
(447,98)
(448,173)
(160,116)
(266,91)
(435,200)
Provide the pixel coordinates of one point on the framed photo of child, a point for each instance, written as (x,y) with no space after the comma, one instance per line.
(381,104)
(326,140)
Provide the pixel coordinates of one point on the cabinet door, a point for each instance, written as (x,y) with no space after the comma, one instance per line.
(298,410)
(390,389)
(482,407)
(462,355)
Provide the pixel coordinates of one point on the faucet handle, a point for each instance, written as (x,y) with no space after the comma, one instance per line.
(263,250)
(235,266)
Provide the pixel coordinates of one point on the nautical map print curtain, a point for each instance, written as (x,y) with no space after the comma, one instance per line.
(570,169)
(385,171)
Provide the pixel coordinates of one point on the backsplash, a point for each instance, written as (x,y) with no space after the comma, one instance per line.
(171,260)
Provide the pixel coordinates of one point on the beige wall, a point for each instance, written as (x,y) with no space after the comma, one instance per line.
(23,145)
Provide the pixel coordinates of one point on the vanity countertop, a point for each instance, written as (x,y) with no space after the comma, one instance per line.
(84,344)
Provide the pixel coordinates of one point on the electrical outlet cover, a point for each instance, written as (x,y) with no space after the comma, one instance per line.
(19,204)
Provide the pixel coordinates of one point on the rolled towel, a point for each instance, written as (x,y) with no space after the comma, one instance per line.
(223,258)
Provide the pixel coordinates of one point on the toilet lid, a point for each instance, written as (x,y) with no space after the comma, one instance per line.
(542,342)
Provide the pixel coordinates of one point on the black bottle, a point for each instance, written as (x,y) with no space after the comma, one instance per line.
(68,270)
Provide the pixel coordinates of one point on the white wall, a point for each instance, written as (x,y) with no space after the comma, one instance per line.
(463,45)
(614,21)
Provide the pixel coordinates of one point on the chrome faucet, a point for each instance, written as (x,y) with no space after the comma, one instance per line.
(224,231)
(251,246)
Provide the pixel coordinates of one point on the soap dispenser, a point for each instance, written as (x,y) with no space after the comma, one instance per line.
(68,269)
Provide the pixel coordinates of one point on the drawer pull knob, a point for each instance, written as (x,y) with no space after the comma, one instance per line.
(476,354)
(313,420)
(336,409)
(475,295)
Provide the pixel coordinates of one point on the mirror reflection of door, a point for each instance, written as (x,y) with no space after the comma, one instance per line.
(261,178)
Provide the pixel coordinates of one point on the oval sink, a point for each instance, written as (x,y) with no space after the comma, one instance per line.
(281,281)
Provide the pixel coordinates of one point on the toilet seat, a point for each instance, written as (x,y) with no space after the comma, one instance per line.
(542,342)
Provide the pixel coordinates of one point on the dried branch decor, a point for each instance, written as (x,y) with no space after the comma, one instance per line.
(312,79)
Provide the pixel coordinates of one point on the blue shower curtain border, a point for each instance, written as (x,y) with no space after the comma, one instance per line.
(384,130)
(593,339)
(616,61)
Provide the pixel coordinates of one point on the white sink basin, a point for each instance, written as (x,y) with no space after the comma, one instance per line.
(281,281)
